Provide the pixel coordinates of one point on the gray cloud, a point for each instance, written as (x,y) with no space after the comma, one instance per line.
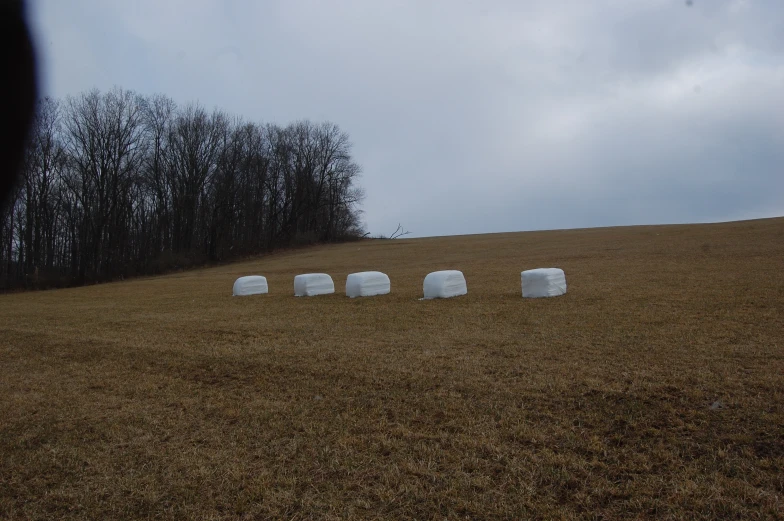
(476,116)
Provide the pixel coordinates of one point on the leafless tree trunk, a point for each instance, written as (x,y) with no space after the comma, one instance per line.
(116,184)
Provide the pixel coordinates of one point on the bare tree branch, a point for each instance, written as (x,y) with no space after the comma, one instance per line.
(117,184)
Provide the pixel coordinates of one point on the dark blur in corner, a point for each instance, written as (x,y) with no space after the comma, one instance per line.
(18,91)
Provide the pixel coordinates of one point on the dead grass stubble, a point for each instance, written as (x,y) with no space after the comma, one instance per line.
(167,398)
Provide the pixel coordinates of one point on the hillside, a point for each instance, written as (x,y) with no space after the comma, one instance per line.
(653,389)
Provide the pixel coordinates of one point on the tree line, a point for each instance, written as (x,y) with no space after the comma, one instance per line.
(118,184)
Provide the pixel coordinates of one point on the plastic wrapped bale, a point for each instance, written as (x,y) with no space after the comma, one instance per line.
(311,284)
(250,285)
(367,284)
(543,282)
(445,284)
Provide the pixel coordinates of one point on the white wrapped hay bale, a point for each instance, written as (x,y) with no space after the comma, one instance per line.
(444,284)
(250,285)
(367,284)
(543,282)
(311,284)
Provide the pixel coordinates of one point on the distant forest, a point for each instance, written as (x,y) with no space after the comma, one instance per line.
(117,184)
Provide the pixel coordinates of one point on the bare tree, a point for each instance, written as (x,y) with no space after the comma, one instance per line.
(104,142)
(158,114)
(117,184)
(41,171)
(399,232)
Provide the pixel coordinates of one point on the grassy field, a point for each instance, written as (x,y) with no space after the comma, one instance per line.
(653,389)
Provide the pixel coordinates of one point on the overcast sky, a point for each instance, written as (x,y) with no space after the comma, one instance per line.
(472,116)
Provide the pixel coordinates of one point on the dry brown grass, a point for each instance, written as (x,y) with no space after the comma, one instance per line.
(167,398)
